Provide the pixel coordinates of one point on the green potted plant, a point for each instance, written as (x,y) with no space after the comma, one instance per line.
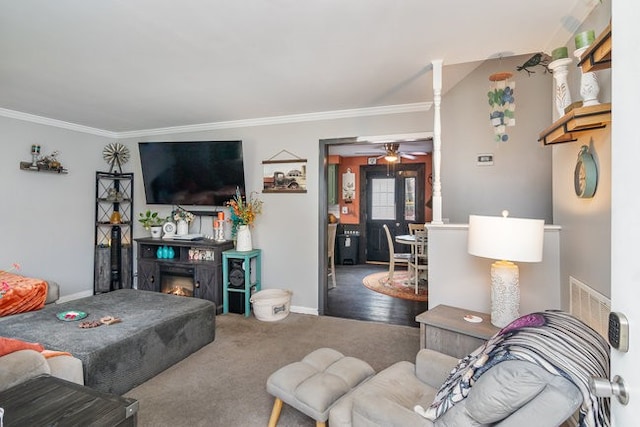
(151,221)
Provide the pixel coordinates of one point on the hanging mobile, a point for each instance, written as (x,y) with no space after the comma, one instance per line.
(116,155)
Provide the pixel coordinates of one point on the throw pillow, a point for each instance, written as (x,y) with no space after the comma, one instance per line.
(9,345)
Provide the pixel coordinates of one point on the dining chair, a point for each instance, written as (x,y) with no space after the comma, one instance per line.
(394,258)
(418,263)
(413,227)
(331,242)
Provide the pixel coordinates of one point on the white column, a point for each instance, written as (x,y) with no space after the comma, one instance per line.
(437,186)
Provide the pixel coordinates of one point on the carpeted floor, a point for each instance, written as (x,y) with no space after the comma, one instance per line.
(223,384)
(400,287)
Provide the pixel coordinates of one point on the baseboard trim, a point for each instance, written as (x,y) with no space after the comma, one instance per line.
(303,310)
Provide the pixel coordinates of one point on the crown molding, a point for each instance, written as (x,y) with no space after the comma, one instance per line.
(56,123)
(264,121)
(276,120)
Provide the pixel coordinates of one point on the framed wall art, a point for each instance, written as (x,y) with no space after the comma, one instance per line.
(284,176)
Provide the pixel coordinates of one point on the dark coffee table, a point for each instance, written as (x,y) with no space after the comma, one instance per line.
(47,400)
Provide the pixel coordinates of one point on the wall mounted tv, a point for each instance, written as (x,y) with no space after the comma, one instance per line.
(196,173)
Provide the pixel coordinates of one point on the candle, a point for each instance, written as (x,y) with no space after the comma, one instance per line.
(585,39)
(559,53)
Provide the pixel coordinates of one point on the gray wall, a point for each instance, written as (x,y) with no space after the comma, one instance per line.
(47,220)
(585,246)
(47,223)
(520,179)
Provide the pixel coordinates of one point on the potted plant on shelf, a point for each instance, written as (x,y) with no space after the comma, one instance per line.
(152,221)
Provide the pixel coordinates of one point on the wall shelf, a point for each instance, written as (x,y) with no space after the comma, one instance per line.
(598,56)
(28,166)
(582,119)
(566,128)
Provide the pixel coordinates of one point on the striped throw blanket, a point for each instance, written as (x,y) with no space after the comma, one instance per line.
(554,340)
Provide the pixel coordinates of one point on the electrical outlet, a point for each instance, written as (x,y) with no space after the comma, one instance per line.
(345,210)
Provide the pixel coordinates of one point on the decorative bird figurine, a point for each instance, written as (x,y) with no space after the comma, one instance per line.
(540,58)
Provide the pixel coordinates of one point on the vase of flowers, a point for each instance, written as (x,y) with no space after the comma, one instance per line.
(182,218)
(242,217)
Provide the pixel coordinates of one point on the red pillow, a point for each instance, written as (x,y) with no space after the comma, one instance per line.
(9,345)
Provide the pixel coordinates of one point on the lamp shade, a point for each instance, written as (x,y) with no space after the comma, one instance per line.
(504,238)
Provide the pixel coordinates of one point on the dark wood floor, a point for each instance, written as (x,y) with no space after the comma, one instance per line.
(350,299)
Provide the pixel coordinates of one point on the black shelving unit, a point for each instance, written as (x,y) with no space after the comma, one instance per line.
(113,258)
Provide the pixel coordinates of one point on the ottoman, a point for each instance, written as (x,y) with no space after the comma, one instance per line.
(316,383)
(157,331)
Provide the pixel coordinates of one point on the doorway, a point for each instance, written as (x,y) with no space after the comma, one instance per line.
(391,195)
(350,299)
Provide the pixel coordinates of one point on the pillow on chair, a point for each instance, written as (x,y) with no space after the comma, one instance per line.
(516,393)
(504,389)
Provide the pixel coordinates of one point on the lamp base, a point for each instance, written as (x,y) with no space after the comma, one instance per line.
(505,293)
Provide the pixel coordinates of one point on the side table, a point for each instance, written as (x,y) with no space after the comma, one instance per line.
(444,329)
(251,261)
(51,401)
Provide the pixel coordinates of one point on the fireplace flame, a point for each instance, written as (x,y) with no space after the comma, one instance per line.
(180,291)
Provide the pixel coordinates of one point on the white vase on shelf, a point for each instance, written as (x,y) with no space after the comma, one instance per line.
(560,69)
(182,228)
(243,242)
(589,85)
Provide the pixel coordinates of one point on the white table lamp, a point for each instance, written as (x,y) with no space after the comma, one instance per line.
(505,240)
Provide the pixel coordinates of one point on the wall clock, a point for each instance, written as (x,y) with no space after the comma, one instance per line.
(585,176)
(116,155)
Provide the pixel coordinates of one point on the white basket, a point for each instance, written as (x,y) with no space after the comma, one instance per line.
(270,305)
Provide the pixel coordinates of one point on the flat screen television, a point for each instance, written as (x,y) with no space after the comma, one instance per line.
(196,173)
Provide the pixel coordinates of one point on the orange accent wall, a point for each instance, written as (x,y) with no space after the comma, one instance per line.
(352,217)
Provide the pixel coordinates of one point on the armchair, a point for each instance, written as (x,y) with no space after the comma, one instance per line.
(513,393)
(532,373)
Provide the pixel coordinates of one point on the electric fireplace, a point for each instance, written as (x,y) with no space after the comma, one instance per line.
(177,280)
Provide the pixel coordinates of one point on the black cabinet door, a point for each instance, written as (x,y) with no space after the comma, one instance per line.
(148,275)
(207,283)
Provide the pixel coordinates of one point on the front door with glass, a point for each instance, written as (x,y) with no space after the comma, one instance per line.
(394,196)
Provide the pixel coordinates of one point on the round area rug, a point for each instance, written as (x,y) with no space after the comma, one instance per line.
(399,288)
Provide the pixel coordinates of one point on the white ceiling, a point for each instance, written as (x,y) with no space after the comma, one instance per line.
(131,65)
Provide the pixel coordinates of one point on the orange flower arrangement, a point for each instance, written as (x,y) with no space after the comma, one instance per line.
(244,212)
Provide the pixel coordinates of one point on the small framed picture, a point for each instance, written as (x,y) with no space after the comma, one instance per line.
(284,176)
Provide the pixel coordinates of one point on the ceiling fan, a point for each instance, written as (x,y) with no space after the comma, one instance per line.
(392,154)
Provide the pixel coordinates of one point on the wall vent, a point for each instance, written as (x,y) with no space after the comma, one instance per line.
(590,306)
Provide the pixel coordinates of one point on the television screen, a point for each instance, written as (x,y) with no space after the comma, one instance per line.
(201,173)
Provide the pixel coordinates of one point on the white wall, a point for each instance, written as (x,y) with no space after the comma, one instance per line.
(462,280)
(46,219)
(586,223)
(520,179)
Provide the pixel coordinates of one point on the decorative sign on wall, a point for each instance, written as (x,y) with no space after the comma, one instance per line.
(348,186)
(284,176)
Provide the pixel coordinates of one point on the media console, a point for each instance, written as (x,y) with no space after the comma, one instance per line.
(194,271)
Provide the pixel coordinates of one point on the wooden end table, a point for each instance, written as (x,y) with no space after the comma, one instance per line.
(444,329)
(51,401)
